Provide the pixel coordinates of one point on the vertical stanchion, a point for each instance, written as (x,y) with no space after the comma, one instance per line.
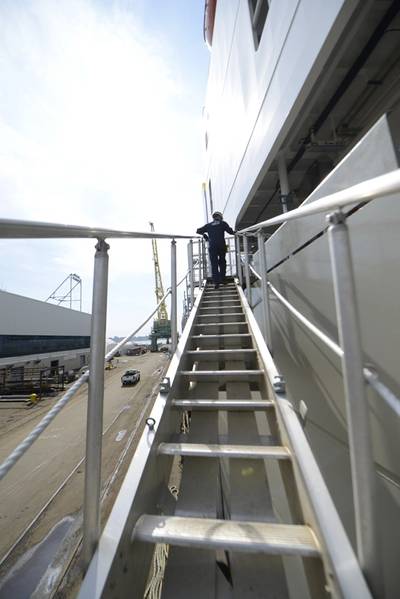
(360,446)
(191,273)
(238,261)
(265,290)
(200,259)
(204,258)
(94,426)
(246,268)
(283,181)
(230,258)
(174,306)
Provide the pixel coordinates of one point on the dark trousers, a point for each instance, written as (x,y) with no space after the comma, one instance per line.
(218,263)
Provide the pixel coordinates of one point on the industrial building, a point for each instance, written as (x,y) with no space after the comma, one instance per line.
(36,335)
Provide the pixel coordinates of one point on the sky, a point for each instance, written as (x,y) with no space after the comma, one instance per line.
(100,124)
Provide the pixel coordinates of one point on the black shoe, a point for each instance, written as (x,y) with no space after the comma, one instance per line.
(216,286)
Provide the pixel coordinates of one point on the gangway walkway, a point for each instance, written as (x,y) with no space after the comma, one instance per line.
(216,477)
(224,497)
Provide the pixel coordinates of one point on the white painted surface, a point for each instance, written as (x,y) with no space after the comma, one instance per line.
(21,315)
(253,97)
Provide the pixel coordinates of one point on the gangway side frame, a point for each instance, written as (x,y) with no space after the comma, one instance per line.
(112,571)
(341,566)
(115,544)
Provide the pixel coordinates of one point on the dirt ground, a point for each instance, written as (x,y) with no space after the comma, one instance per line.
(55,455)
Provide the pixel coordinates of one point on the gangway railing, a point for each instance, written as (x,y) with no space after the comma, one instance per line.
(349,350)
(355,372)
(22,229)
(220,328)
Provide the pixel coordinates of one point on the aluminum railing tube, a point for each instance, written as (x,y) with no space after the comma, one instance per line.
(191,272)
(359,433)
(94,428)
(204,259)
(199,262)
(239,272)
(174,305)
(230,258)
(371,189)
(246,268)
(265,290)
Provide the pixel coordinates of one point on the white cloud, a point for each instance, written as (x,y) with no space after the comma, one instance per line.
(90,130)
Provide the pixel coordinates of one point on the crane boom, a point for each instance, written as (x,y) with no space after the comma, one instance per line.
(162,313)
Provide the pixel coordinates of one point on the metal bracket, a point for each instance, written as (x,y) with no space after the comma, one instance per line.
(279,384)
(336,218)
(165,385)
(150,423)
(303,409)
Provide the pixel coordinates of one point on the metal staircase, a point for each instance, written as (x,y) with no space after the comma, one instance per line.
(224,476)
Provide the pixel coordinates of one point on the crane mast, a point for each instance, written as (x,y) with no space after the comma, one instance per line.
(162,313)
(161,325)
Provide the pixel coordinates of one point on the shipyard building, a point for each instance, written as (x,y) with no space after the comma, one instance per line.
(39,340)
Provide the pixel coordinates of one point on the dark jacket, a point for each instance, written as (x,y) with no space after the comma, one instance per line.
(216,233)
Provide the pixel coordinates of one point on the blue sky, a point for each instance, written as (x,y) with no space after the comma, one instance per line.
(100,124)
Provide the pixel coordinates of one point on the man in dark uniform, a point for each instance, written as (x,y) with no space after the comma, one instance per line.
(214,232)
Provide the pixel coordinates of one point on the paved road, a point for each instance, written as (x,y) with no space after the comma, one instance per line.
(53,456)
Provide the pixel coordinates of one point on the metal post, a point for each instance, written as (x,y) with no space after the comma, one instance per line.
(360,445)
(265,290)
(246,268)
(174,306)
(238,261)
(204,259)
(230,258)
(191,273)
(94,425)
(199,262)
(283,181)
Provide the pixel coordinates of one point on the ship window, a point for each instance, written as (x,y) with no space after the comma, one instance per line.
(258,14)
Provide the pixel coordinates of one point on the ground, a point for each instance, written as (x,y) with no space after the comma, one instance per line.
(60,449)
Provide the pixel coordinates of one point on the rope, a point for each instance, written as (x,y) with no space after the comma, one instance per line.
(19,451)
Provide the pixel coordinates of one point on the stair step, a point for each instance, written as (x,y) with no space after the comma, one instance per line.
(229,335)
(222,341)
(222,404)
(230,354)
(205,450)
(219,324)
(238,309)
(244,537)
(216,315)
(218,294)
(221,289)
(231,375)
(237,326)
(219,302)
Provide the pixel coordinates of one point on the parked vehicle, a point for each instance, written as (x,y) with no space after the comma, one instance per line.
(130,377)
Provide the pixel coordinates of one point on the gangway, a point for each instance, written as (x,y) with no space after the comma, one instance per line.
(224,497)
(225,478)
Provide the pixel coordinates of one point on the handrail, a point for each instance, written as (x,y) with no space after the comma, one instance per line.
(368,190)
(22,447)
(370,376)
(21,229)
(355,374)
(255,273)
(345,579)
